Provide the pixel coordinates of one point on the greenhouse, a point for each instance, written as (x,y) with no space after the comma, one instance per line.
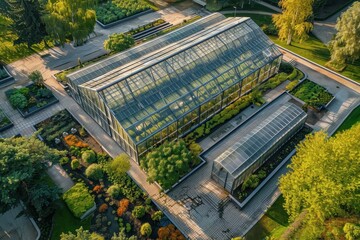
(249,146)
(162,89)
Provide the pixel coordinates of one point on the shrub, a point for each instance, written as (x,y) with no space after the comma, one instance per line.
(169,232)
(43,93)
(75,164)
(146,230)
(292,85)
(286,67)
(123,206)
(293,75)
(148,201)
(82,132)
(156,216)
(78,199)
(88,156)
(269,29)
(18,100)
(103,207)
(128,227)
(72,140)
(97,189)
(114,191)
(94,172)
(138,212)
(118,167)
(118,42)
(63,160)
(195,149)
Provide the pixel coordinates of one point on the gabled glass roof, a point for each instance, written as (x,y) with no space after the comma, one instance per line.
(157,88)
(242,154)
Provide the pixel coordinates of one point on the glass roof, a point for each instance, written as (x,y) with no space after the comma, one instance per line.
(242,154)
(160,87)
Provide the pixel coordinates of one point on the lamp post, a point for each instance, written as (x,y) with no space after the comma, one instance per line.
(235,11)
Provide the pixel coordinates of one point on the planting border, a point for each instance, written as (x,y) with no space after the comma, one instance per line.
(25,115)
(109,25)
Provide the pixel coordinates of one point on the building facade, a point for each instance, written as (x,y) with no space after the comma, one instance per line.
(162,89)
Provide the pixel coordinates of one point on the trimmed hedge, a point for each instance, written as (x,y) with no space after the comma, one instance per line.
(78,199)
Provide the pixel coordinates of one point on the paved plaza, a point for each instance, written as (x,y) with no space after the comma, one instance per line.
(192,205)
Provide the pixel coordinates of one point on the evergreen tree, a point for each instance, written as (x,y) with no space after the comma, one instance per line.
(345,45)
(70,18)
(27,23)
(294,19)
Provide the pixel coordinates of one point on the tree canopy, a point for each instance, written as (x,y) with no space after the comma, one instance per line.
(345,45)
(75,18)
(22,162)
(118,42)
(324,177)
(294,21)
(81,234)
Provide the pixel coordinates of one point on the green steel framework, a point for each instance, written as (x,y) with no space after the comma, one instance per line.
(162,89)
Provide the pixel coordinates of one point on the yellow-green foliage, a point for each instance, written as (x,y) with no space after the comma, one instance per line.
(324,177)
(78,199)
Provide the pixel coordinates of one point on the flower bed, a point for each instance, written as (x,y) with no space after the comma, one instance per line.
(31,99)
(312,94)
(115,10)
(254,180)
(5,122)
(116,195)
(78,200)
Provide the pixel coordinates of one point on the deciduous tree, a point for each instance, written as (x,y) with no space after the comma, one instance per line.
(75,18)
(81,234)
(324,177)
(118,42)
(294,22)
(345,45)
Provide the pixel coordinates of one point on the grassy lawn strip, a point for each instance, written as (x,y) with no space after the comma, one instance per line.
(352,119)
(273,223)
(10,52)
(312,49)
(64,221)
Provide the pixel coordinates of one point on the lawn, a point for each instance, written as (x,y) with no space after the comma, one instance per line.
(273,223)
(353,118)
(8,52)
(64,221)
(312,49)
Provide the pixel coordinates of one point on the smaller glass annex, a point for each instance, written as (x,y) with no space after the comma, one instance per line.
(161,90)
(248,152)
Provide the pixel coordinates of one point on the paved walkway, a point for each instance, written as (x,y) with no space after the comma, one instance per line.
(201,221)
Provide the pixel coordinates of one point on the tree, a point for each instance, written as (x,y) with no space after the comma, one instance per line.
(122,236)
(117,168)
(81,234)
(324,177)
(22,162)
(94,172)
(345,45)
(138,212)
(118,42)
(37,78)
(75,18)
(351,231)
(169,232)
(294,19)
(146,229)
(42,196)
(27,23)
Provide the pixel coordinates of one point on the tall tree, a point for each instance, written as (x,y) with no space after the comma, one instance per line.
(324,177)
(81,234)
(27,23)
(74,18)
(294,22)
(22,162)
(345,45)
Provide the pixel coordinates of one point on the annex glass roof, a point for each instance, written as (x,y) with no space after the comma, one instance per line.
(258,141)
(187,68)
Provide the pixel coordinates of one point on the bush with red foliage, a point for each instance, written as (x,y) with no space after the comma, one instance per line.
(72,140)
(103,207)
(97,189)
(169,232)
(123,206)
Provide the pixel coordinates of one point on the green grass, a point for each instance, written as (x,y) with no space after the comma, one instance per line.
(352,119)
(64,221)
(273,223)
(9,52)
(312,49)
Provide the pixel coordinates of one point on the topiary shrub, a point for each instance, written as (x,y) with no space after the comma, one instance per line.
(146,230)
(88,156)
(114,191)
(103,207)
(94,172)
(138,212)
(75,164)
(123,206)
(63,160)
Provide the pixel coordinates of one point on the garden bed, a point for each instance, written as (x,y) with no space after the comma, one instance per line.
(109,192)
(312,94)
(250,184)
(30,99)
(113,12)
(5,122)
